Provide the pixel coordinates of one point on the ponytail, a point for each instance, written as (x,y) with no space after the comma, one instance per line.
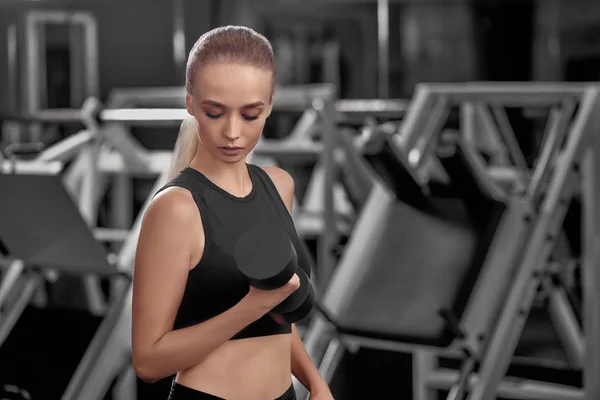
(185,146)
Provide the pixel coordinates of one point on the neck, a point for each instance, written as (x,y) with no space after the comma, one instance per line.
(232,177)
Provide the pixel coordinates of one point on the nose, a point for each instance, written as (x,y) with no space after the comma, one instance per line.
(232,129)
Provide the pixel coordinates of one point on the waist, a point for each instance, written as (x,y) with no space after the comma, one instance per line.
(257,367)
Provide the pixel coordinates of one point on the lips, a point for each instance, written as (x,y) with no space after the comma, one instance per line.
(231,151)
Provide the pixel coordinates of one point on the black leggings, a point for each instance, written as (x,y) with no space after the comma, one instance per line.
(180,392)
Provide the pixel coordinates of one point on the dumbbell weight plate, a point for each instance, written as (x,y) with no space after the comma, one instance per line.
(300,303)
(266,256)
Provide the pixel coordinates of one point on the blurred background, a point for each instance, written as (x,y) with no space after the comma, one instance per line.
(59,54)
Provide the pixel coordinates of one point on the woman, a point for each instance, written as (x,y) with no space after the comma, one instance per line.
(194,315)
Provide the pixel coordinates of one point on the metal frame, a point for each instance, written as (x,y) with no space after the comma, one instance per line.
(555,182)
(35,63)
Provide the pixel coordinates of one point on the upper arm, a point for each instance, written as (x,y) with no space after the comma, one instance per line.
(167,246)
(284,183)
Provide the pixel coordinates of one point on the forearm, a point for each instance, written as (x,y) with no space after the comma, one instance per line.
(303,368)
(183,348)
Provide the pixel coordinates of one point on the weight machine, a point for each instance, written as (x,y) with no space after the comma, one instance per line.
(468,299)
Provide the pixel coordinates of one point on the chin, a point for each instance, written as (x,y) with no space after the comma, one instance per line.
(231,160)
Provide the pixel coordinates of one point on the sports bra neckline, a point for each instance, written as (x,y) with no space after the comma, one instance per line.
(199,175)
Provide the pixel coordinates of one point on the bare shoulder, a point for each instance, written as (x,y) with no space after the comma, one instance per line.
(171,223)
(174,205)
(283,182)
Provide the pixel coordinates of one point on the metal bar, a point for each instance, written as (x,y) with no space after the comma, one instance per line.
(66,148)
(557,129)
(12,59)
(508,134)
(113,162)
(298,98)
(84,378)
(565,322)
(331,359)
(512,318)
(93,187)
(510,388)
(126,386)
(32,81)
(460,387)
(488,135)
(303,128)
(329,239)
(424,362)
(383,48)
(9,280)
(416,117)
(30,167)
(25,294)
(591,268)
(425,144)
(516,94)
(58,17)
(111,235)
(73,175)
(371,106)
(91,53)
(468,122)
(179,55)
(133,153)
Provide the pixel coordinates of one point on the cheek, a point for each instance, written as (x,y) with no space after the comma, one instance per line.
(253,131)
(208,130)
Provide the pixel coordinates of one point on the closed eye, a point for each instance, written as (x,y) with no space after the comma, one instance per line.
(213,116)
(246,117)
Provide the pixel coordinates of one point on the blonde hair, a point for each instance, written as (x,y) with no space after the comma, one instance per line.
(185,146)
(227,44)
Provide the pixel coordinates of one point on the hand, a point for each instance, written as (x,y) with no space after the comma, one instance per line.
(265,300)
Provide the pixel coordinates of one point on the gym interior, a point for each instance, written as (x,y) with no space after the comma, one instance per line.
(398,120)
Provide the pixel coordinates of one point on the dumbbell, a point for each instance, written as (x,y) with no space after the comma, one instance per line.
(266,256)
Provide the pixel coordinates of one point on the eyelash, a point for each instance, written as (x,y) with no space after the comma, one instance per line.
(247,118)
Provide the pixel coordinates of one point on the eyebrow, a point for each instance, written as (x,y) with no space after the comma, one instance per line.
(217,104)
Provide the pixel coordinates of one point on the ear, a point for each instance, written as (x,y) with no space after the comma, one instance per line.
(189,104)
(271,104)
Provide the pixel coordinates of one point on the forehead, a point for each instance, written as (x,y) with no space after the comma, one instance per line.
(232,84)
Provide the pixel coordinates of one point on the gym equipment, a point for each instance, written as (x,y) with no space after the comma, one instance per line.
(415,278)
(299,304)
(43,232)
(266,256)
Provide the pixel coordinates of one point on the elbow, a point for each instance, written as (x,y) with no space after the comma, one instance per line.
(144,370)
(145,375)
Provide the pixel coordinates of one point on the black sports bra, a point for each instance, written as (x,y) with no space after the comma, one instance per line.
(214,285)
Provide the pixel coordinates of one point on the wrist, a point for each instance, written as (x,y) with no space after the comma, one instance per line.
(251,309)
(317,385)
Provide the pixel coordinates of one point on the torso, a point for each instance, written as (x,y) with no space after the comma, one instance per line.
(255,363)
(252,368)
